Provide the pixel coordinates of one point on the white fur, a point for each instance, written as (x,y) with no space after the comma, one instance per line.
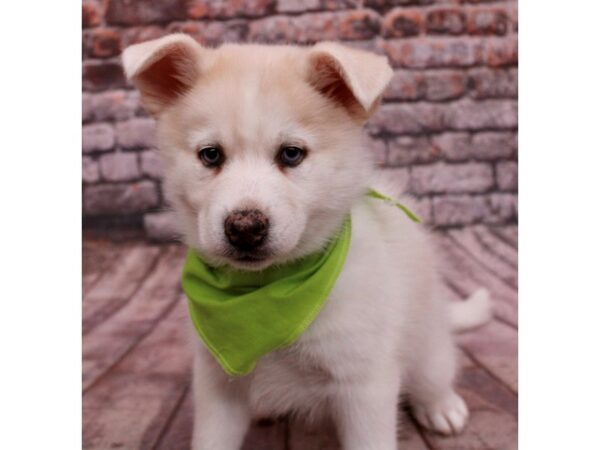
(384,329)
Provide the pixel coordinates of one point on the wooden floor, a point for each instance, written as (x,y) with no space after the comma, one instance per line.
(136,361)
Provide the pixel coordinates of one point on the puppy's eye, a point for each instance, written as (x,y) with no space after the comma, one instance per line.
(290,156)
(211,156)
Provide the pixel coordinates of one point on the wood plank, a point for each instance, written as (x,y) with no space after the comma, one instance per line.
(97,257)
(117,284)
(409,435)
(112,339)
(488,382)
(491,404)
(494,346)
(130,261)
(497,246)
(265,434)
(321,436)
(466,276)
(510,234)
(145,401)
(130,408)
(484,255)
(178,434)
(493,419)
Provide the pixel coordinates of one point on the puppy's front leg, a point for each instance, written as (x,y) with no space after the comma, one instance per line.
(221,416)
(365,413)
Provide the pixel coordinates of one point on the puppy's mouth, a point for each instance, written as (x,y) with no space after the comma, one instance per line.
(249,259)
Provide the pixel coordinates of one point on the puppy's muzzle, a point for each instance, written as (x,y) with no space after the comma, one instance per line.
(246,229)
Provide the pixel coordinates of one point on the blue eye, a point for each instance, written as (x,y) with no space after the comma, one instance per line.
(290,155)
(211,156)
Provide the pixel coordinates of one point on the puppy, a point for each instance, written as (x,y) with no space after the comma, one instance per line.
(277,130)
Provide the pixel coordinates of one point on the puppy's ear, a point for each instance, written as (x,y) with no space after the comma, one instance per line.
(354,78)
(163,69)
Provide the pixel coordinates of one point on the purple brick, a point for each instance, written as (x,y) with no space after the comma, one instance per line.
(407,119)
(406,150)
(439,85)
(87,109)
(502,208)
(119,167)
(212,33)
(211,9)
(110,199)
(507,176)
(136,133)
(98,137)
(458,209)
(89,171)
(446,21)
(127,12)
(451,178)
(490,114)
(480,146)
(297,6)
(434,52)
(102,75)
(306,28)
(452,210)
(494,83)
(114,105)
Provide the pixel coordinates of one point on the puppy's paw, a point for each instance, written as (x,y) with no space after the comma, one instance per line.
(446,416)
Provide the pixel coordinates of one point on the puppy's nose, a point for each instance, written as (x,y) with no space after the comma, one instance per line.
(246,229)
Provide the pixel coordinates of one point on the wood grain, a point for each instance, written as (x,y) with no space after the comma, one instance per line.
(490,255)
(97,257)
(267,434)
(131,408)
(123,276)
(510,234)
(111,340)
(493,422)
(137,357)
(494,346)
(499,247)
(465,275)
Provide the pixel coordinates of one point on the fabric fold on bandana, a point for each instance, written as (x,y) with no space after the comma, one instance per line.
(243,315)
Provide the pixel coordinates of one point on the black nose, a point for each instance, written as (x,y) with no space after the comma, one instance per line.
(246,229)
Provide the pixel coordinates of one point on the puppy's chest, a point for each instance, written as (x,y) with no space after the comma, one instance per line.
(300,378)
(303,376)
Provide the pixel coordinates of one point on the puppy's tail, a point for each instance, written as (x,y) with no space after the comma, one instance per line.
(471,313)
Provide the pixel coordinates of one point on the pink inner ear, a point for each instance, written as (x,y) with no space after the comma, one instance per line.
(166,79)
(328,80)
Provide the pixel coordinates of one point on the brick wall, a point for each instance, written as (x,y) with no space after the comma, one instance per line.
(447,130)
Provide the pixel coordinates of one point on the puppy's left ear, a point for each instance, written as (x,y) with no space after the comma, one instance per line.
(163,69)
(353,78)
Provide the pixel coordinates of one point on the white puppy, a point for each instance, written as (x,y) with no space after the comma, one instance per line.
(277,130)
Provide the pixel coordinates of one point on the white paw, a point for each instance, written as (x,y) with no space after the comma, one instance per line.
(447,416)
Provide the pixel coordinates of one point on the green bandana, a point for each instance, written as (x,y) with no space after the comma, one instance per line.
(241,316)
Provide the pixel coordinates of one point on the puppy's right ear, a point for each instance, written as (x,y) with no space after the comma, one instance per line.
(163,69)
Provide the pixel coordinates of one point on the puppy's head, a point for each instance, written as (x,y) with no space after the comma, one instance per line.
(261,145)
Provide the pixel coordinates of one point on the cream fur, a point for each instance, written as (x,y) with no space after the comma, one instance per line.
(384,330)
